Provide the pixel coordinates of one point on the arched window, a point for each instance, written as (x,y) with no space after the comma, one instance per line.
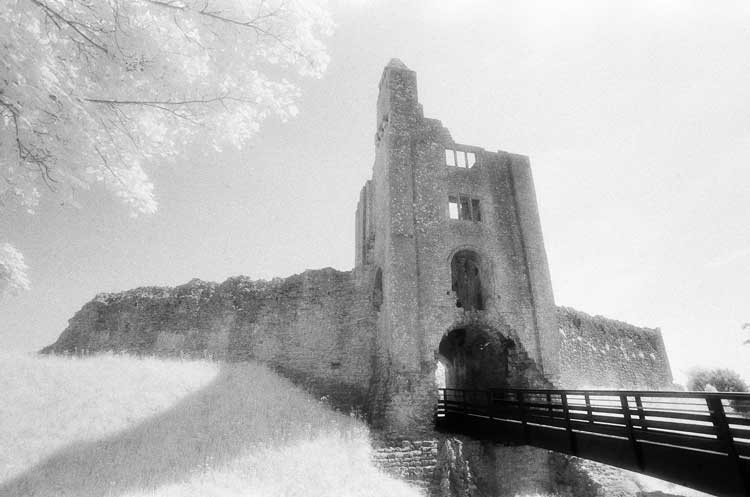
(466,280)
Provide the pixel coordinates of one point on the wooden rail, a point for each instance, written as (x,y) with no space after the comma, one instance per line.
(697,439)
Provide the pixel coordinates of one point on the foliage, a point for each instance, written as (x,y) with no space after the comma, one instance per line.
(721,379)
(92,90)
(96,90)
(12,270)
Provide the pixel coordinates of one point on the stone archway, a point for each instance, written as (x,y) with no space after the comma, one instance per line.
(475,358)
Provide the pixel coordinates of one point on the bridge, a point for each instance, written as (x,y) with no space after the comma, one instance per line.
(696,439)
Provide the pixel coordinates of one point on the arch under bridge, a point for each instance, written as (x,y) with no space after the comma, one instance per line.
(696,439)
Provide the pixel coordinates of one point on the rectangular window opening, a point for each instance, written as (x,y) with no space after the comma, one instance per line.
(471,159)
(453,207)
(461,156)
(450,157)
(465,209)
(475,214)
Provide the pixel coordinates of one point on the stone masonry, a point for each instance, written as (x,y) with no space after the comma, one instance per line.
(603,353)
(450,287)
(406,234)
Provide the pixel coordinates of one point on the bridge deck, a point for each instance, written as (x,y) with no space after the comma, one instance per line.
(697,439)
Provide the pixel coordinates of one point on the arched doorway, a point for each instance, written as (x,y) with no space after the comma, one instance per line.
(466,280)
(475,358)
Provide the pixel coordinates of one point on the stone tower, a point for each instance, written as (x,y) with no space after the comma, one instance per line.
(449,237)
(451,287)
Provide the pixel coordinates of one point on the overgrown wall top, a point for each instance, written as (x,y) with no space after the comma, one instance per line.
(597,352)
(315,327)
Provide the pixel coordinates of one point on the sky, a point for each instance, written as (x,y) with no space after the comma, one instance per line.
(635,116)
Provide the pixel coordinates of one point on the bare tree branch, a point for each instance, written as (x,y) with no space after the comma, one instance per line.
(98,88)
(27,155)
(169,102)
(253,23)
(53,14)
(105,162)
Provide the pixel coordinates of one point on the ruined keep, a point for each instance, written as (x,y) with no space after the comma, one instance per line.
(450,286)
(452,236)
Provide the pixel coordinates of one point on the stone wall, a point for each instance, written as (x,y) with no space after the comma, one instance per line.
(403,227)
(412,460)
(598,352)
(318,328)
(315,328)
(403,215)
(372,336)
(455,466)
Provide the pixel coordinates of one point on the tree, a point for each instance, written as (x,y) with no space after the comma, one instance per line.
(98,90)
(721,379)
(12,270)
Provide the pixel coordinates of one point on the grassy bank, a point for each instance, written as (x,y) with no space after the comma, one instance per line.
(121,426)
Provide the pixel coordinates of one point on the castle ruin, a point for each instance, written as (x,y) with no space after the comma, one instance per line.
(450,286)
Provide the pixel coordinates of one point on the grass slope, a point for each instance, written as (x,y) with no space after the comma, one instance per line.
(120,426)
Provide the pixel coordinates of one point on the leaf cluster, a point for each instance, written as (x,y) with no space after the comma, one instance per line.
(720,379)
(98,90)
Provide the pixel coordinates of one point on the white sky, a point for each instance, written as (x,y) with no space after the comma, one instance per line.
(636,117)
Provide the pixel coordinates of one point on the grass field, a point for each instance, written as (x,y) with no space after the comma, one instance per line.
(121,426)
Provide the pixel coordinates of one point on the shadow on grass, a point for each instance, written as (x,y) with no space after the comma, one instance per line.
(245,408)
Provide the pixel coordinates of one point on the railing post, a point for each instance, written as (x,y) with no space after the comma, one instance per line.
(522,416)
(719,418)
(631,433)
(489,404)
(589,414)
(568,424)
(641,415)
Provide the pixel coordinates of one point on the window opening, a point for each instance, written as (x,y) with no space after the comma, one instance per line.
(453,207)
(465,212)
(461,159)
(377,290)
(466,280)
(475,214)
(464,207)
(450,157)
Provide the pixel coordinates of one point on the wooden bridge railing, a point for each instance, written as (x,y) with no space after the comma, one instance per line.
(697,439)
